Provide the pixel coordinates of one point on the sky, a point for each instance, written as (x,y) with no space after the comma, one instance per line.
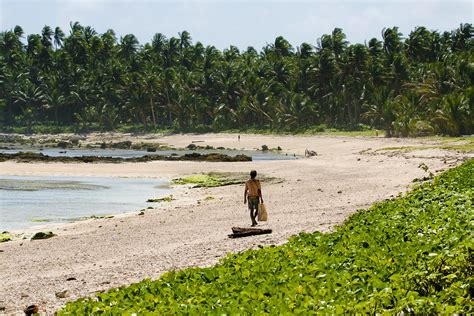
(240,23)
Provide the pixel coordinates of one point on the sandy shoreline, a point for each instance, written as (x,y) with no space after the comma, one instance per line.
(316,194)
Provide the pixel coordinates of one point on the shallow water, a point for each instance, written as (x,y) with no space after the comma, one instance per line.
(30,201)
(129,153)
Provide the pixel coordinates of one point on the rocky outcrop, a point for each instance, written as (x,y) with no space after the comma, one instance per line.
(39,157)
(42,235)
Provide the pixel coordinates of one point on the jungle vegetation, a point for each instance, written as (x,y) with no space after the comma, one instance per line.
(420,84)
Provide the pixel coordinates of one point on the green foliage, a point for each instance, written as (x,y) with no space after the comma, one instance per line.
(212,179)
(86,81)
(410,255)
(40,220)
(168,198)
(97,217)
(5,236)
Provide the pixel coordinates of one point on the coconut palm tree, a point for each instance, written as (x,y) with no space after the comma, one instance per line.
(454,116)
(58,37)
(380,111)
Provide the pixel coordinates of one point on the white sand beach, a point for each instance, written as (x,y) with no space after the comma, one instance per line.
(314,194)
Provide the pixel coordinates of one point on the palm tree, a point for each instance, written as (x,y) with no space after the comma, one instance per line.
(18,31)
(58,37)
(11,47)
(30,100)
(305,50)
(76,27)
(454,115)
(419,44)
(391,41)
(339,42)
(33,46)
(282,47)
(151,86)
(184,40)
(128,46)
(158,43)
(462,37)
(380,111)
(46,36)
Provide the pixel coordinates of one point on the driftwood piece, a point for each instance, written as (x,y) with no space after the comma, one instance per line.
(310,153)
(238,232)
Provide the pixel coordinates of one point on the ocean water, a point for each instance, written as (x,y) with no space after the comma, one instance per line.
(129,153)
(29,201)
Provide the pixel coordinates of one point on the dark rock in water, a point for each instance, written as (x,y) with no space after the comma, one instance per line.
(71,279)
(151,149)
(122,145)
(192,156)
(264,148)
(215,157)
(30,310)
(39,157)
(75,140)
(64,144)
(42,235)
(191,147)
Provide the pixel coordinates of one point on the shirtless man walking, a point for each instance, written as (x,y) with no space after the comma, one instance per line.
(253,191)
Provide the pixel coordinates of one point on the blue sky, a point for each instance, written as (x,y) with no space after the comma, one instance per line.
(241,23)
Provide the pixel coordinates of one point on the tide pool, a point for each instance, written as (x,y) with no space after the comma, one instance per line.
(30,201)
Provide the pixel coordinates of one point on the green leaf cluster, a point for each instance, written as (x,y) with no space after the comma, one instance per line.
(412,254)
(212,179)
(5,236)
(167,198)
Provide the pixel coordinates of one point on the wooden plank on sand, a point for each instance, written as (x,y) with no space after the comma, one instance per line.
(238,232)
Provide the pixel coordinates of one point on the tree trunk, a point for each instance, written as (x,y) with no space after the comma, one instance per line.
(153,113)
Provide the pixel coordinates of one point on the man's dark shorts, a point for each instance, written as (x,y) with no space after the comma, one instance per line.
(253,203)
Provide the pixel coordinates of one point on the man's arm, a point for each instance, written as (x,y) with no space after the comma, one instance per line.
(245,193)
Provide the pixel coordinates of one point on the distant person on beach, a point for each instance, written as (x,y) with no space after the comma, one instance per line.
(253,193)
(239,138)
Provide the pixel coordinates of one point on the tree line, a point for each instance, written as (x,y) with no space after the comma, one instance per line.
(418,85)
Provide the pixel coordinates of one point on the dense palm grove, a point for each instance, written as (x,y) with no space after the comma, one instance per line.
(421,84)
